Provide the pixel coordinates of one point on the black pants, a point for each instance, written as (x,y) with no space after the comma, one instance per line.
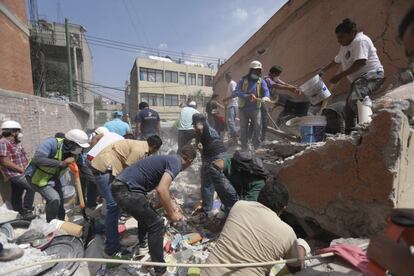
(89,184)
(185,137)
(19,185)
(137,205)
(265,121)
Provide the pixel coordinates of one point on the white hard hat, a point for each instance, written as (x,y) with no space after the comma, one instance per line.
(10,125)
(192,104)
(255,65)
(101,130)
(78,136)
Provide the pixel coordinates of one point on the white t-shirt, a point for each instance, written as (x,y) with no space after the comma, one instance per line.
(360,48)
(230,91)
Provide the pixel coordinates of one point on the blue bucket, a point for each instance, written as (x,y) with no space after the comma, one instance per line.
(312,134)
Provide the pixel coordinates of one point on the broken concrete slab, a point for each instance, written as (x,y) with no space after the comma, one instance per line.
(350,183)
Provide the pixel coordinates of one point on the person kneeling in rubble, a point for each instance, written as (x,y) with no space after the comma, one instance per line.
(130,189)
(49,162)
(109,163)
(243,172)
(212,149)
(254,232)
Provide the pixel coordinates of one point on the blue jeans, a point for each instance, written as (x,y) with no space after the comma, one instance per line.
(112,243)
(250,122)
(225,190)
(231,120)
(19,186)
(207,185)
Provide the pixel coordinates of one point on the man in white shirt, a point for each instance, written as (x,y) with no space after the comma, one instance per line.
(232,105)
(360,64)
(186,130)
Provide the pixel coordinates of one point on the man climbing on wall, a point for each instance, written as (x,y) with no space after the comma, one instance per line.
(252,91)
(130,188)
(360,64)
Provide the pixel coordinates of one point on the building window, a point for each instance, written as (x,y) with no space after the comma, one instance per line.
(183,79)
(191,79)
(208,81)
(153,99)
(183,99)
(200,80)
(146,74)
(171,100)
(171,76)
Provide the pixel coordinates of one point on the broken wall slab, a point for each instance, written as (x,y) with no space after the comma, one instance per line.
(350,183)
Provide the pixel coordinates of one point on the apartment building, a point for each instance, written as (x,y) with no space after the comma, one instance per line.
(165,85)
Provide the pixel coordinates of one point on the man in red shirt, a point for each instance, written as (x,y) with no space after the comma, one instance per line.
(13,162)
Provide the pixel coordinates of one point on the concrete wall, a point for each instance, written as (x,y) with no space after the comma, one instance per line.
(40,117)
(15,65)
(300,37)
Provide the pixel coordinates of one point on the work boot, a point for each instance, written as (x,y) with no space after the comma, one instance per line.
(10,254)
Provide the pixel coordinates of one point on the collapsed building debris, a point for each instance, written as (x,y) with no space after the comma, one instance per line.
(349,184)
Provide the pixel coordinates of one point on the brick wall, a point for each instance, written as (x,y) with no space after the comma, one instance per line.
(40,118)
(15,64)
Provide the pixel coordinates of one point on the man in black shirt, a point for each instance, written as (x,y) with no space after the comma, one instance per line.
(212,149)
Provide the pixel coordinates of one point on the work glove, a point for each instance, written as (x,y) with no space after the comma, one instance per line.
(265,99)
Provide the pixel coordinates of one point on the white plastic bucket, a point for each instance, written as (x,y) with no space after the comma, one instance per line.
(315,90)
(312,128)
(364,113)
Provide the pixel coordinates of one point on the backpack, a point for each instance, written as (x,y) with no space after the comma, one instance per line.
(247,165)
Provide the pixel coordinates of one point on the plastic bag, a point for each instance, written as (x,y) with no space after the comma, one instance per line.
(42,226)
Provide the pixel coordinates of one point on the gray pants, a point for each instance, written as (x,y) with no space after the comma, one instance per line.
(250,118)
(54,200)
(360,88)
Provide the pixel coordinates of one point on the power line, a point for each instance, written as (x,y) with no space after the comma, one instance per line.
(133,24)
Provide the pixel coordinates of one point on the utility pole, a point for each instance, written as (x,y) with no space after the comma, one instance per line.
(76,74)
(70,84)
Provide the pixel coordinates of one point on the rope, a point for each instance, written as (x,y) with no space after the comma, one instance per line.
(232,265)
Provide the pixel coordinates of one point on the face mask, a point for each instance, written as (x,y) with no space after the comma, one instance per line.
(19,136)
(276,79)
(254,76)
(77,151)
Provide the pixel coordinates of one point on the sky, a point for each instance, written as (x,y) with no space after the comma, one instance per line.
(215,28)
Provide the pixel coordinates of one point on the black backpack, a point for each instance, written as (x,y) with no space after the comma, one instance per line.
(244,164)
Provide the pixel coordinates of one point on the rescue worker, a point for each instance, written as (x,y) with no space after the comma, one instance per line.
(117,125)
(212,149)
(185,127)
(252,91)
(49,162)
(147,122)
(360,64)
(130,190)
(109,163)
(13,161)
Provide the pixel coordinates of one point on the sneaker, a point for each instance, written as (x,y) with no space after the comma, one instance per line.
(10,254)
(140,250)
(26,215)
(118,255)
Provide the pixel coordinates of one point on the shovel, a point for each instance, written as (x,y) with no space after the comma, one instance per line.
(89,224)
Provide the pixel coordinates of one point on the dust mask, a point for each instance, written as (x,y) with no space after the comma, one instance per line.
(19,136)
(254,76)
(76,151)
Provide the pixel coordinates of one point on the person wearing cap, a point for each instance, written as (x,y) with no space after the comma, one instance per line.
(117,125)
(97,135)
(48,164)
(13,161)
(185,127)
(147,122)
(212,149)
(251,90)
(286,95)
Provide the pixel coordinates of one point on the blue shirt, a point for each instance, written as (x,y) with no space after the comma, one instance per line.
(144,175)
(186,118)
(251,89)
(118,126)
(148,119)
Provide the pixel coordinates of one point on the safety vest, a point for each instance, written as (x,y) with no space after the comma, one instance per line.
(245,86)
(42,174)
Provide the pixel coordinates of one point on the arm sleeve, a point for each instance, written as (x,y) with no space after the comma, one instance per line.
(3,150)
(360,50)
(265,89)
(41,156)
(238,92)
(173,168)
